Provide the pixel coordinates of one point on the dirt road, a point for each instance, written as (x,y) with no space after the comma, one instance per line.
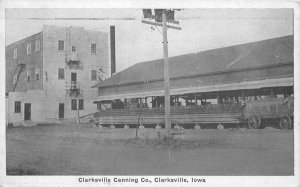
(75,150)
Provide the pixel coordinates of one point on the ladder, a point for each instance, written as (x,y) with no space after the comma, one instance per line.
(17,72)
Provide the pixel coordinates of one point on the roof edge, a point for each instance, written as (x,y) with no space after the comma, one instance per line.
(19,41)
(195,75)
(207,50)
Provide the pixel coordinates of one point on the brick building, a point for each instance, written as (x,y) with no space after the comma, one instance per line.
(49,75)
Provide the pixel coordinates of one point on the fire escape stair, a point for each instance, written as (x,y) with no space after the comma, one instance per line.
(17,71)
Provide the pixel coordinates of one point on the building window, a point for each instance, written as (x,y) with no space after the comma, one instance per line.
(17,106)
(61,73)
(15,53)
(80,104)
(37,45)
(37,74)
(28,75)
(61,45)
(73,48)
(93,75)
(93,48)
(28,48)
(74,104)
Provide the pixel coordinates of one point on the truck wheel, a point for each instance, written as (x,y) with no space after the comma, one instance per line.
(254,122)
(285,122)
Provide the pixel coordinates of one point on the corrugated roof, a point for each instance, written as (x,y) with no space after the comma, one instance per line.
(250,55)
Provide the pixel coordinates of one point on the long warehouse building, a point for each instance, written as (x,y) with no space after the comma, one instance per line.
(228,75)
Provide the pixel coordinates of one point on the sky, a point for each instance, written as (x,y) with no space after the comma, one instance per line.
(202,29)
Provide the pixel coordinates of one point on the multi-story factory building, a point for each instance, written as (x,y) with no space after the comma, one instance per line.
(49,75)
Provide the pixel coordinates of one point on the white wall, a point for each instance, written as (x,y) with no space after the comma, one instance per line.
(53,59)
(35,98)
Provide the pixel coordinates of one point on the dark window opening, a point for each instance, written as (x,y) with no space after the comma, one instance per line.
(93,48)
(80,104)
(73,48)
(74,104)
(61,45)
(94,75)
(17,106)
(61,73)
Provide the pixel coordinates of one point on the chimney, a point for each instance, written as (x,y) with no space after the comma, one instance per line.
(112,50)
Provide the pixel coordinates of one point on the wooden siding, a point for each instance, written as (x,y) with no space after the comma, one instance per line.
(225,113)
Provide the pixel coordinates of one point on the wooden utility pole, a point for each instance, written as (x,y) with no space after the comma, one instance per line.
(161,20)
(166,76)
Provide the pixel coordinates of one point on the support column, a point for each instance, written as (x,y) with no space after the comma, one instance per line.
(146,104)
(243,95)
(273,93)
(125,101)
(152,102)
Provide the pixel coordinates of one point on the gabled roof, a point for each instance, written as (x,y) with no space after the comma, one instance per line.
(250,55)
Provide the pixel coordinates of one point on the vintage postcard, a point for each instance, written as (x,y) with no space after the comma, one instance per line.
(127,94)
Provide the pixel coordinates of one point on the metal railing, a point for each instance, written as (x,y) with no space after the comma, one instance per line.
(73,61)
(73,89)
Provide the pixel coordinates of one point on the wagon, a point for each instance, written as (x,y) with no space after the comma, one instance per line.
(280,110)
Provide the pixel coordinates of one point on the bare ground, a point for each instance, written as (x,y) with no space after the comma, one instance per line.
(87,150)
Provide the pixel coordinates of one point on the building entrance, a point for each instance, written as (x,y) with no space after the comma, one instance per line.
(27,111)
(61,110)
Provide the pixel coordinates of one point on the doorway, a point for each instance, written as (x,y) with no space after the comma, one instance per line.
(61,110)
(27,111)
